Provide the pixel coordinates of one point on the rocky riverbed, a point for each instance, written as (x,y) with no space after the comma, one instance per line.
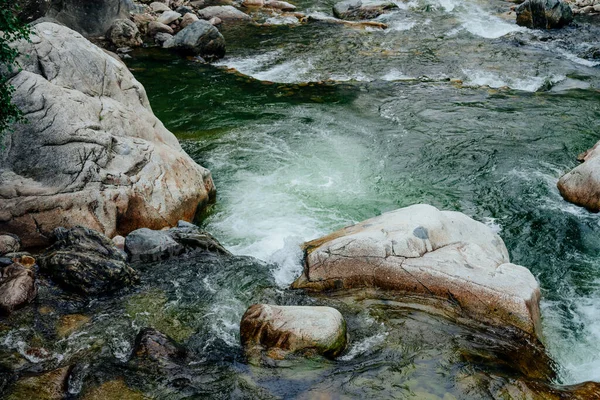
(317,116)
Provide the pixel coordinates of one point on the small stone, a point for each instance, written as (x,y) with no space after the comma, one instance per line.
(214,21)
(17,288)
(225,13)
(276,331)
(188,19)
(156,27)
(25,260)
(124,33)
(280,5)
(159,7)
(9,243)
(184,10)
(168,16)
(161,37)
(119,242)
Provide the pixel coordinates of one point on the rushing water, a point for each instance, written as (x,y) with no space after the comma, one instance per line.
(308,128)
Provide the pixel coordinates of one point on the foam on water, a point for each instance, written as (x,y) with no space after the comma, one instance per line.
(496,80)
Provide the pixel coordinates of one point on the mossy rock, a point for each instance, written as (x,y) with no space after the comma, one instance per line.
(114,390)
(48,386)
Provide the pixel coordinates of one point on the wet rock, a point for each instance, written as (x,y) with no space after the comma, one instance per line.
(90,18)
(544,14)
(199,39)
(17,287)
(355,10)
(432,254)
(87,262)
(581,185)
(25,259)
(156,27)
(280,330)
(47,386)
(95,151)
(168,16)
(188,19)
(155,346)
(124,33)
(147,245)
(113,390)
(9,243)
(225,13)
(159,7)
(70,323)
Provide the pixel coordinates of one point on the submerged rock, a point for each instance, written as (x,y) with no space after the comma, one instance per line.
(148,245)
(113,390)
(354,10)
(280,330)
(434,254)
(155,346)
(581,185)
(200,38)
(50,385)
(124,33)
(225,13)
(87,262)
(17,287)
(544,14)
(95,153)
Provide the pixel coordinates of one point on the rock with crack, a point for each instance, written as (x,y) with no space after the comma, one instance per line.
(277,331)
(90,18)
(581,185)
(9,243)
(92,152)
(124,33)
(147,245)
(17,287)
(439,255)
(87,262)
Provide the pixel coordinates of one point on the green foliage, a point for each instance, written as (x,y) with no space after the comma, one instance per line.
(11,29)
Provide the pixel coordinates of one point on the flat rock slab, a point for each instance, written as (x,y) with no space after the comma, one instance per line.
(280,330)
(422,251)
(581,185)
(225,13)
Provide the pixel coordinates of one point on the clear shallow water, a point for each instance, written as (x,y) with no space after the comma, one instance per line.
(295,161)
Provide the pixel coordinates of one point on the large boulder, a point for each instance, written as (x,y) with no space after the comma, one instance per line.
(199,38)
(92,153)
(356,10)
(86,262)
(90,17)
(224,13)
(147,245)
(30,10)
(124,33)
(17,287)
(544,14)
(581,185)
(280,330)
(437,255)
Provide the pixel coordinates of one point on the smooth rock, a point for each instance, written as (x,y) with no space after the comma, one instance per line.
(159,7)
(544,14)
(50,385)
(119,242)
(280,5)
(581,185)
(225,13)
(161,37)
(9,243)
(199,39)
(354,10)
(280,330)
(156,27)
(17,287)
(147,245)
(439,255)
(188,19)
(155,346)
(168,16)
(124,33)
(90,18)
(87,262)
(215,21)
(96,154)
